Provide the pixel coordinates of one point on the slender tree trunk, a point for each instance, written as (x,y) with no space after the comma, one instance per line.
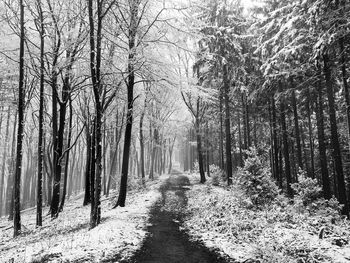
(244,124)
(275,142)
(271,152)
(95,65)
(200,152)
(297,130)
(4,159)
(130,90)
(39,197)
(154,154)
(312,156)
(171,147)
(65,179)
(221,137)
(247,122)
(89,159)
(227,125)
(207,150)
(241,162)
(321,143)
(20,131)
(142,148)
(336,152)
(345,83)
(11,175)
(286,150)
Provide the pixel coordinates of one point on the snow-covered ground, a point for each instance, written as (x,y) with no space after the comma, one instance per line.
(69,239)
(217,218)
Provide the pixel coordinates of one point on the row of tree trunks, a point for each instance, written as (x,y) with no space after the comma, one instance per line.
(4,159)
(336,152)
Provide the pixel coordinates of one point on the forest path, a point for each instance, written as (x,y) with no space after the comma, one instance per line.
(166,243)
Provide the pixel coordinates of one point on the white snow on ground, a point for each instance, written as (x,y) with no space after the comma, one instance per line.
(68,238)
(268,237)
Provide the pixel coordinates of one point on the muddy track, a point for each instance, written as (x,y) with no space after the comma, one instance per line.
(166,243)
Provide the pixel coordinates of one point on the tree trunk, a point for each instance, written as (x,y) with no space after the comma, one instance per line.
(322,143)
(247,122)
(312,156)
(4,159)
(275,142)
(297,130)
(142,148)
(65,179)
(227,125)
(95,65)
(171,147)
(154,154)
(130,90)
(345,83)
(241,162)
(11,169)
(207,150)
(221,137)
(20,131)
(244,124)
(286,150)
(200,153)
(88,170)
(39,196)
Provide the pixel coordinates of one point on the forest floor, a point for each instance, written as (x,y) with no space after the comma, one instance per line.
(166,240)
(176,219)
(69,239)
(222,218)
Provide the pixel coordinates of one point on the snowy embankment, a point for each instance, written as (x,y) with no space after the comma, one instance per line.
(69,239)
(222,218)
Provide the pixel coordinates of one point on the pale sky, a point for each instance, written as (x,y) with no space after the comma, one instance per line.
(250,3)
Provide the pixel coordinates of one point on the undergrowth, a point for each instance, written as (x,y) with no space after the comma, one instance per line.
(253,215)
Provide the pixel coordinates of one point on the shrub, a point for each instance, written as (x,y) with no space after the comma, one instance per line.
(308,194)
(196,167)
(217,175)
(307,189)
(256,181)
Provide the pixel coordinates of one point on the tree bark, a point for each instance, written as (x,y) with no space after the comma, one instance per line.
(21,101)
(227,125)
(312,155)
(275,142)
(345,83)
(130,90)
(297,129)
(336,152)
(142,149)
(11,169)
(88,170)
(322,143)
(286,149)
(95,65)
(39,196)
(4,159)
(200,152)
(221,137)
(65,179)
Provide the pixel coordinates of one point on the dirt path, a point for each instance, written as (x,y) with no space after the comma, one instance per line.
(166,243)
